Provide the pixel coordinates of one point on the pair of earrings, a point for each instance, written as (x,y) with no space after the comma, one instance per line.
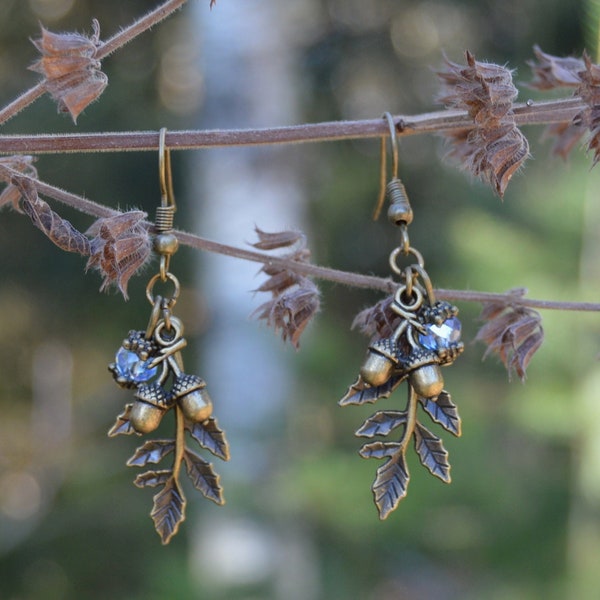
(416,335)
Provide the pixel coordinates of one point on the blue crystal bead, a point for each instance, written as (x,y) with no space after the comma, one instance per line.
(441,336)
(131,367)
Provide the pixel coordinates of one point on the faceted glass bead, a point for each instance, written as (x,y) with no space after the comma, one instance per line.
(441,336)
(131,367)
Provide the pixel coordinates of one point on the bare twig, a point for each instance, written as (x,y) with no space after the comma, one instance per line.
(539,113)
(357,280)
(22,102)
(114,43)
(140,26)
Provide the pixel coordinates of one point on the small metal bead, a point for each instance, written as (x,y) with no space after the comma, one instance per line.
(165,244)
(400,210)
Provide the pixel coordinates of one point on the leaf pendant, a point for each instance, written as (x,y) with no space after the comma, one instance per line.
(425,338)
(150,363)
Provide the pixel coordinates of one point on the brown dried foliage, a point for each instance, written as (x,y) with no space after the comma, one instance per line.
(551,72)
(512,332)
(120,245)
(8,165)
(378,321)
(494,149)
(119,248)
(589,91)
(72,73)
(58,230)
(294,298)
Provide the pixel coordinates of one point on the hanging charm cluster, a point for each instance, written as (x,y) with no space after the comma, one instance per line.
(425,337)
(150,363)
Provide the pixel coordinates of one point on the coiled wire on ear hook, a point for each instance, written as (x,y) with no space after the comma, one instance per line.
(399,212)
(165,213)
(165,242)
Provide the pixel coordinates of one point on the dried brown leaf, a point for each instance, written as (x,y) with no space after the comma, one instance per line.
(295,299)
(377,321)
(514,333)
(280,280)
(119,248)
(551,72)
(23,164)
(291,311)
(494,149)
(565,136)
(70,67)
(589,91)
(280,239)
(57,229)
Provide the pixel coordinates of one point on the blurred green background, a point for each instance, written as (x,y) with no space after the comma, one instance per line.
(521,519)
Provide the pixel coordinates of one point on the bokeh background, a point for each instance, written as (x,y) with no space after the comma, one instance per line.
(521,519)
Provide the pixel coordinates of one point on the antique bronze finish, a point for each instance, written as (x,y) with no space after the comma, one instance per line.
(425,337)
(150,362)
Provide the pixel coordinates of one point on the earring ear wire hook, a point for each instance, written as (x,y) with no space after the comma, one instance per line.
(383,169)
(165,177)
(165,243)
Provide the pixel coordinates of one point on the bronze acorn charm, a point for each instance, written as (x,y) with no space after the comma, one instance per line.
(191,394)
(425,335)
(150,362)
(151,403)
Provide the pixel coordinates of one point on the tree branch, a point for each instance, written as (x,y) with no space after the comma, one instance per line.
(357,280)
(137,27)
(538,113)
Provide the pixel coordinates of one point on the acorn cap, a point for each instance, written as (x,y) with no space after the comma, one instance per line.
(155,395)
(420,357)
(184,384)
(386,347)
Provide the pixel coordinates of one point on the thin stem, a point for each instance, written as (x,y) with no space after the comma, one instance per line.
(114,43)
(22,102)
(179,442)
(357,280)
(540,113)
(411,419)
(140,26)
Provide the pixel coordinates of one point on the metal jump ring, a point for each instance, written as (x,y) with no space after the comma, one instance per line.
(173,298)
(416,297)
(401,250)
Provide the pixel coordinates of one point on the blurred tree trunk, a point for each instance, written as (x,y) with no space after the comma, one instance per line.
(249,82)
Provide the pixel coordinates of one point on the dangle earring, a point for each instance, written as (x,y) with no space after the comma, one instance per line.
(416,335)
(149,362)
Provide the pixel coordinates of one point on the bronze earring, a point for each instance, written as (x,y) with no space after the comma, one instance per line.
(417,336)
(150,363)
